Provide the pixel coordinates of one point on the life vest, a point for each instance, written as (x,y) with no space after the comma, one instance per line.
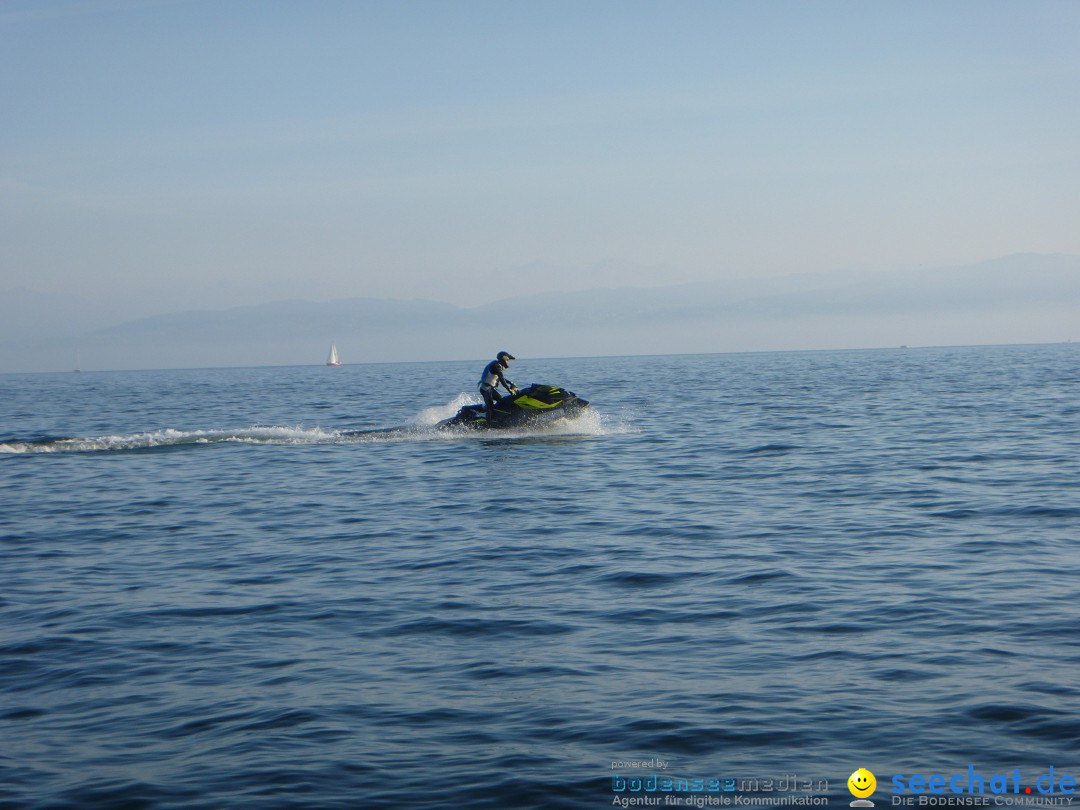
(492,374)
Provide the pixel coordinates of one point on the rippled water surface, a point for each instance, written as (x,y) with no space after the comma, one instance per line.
(281,587)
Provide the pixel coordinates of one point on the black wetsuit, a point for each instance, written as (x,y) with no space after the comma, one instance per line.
(490,380)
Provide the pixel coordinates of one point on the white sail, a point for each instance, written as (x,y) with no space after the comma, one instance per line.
(332,360)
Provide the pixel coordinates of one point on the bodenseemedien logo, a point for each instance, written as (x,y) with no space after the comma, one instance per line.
(862,784)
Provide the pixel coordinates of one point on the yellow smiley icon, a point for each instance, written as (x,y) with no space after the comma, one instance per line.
(861,783)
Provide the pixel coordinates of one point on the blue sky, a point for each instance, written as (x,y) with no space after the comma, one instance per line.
(182,152)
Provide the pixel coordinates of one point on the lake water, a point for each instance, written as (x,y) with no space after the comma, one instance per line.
(214,594)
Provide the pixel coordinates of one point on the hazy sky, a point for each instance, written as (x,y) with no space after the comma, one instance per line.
(227,152)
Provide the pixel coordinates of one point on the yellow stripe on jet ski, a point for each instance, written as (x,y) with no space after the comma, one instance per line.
(528,403)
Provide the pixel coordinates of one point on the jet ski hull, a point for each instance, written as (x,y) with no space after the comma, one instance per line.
(536,405)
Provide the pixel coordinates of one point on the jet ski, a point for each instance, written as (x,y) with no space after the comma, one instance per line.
(538,404)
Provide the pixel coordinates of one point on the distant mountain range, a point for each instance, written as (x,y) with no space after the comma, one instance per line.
(1020,298)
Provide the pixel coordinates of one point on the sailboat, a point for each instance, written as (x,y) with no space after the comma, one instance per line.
(332,360)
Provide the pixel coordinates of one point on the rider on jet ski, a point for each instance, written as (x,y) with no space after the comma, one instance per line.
(492,378)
